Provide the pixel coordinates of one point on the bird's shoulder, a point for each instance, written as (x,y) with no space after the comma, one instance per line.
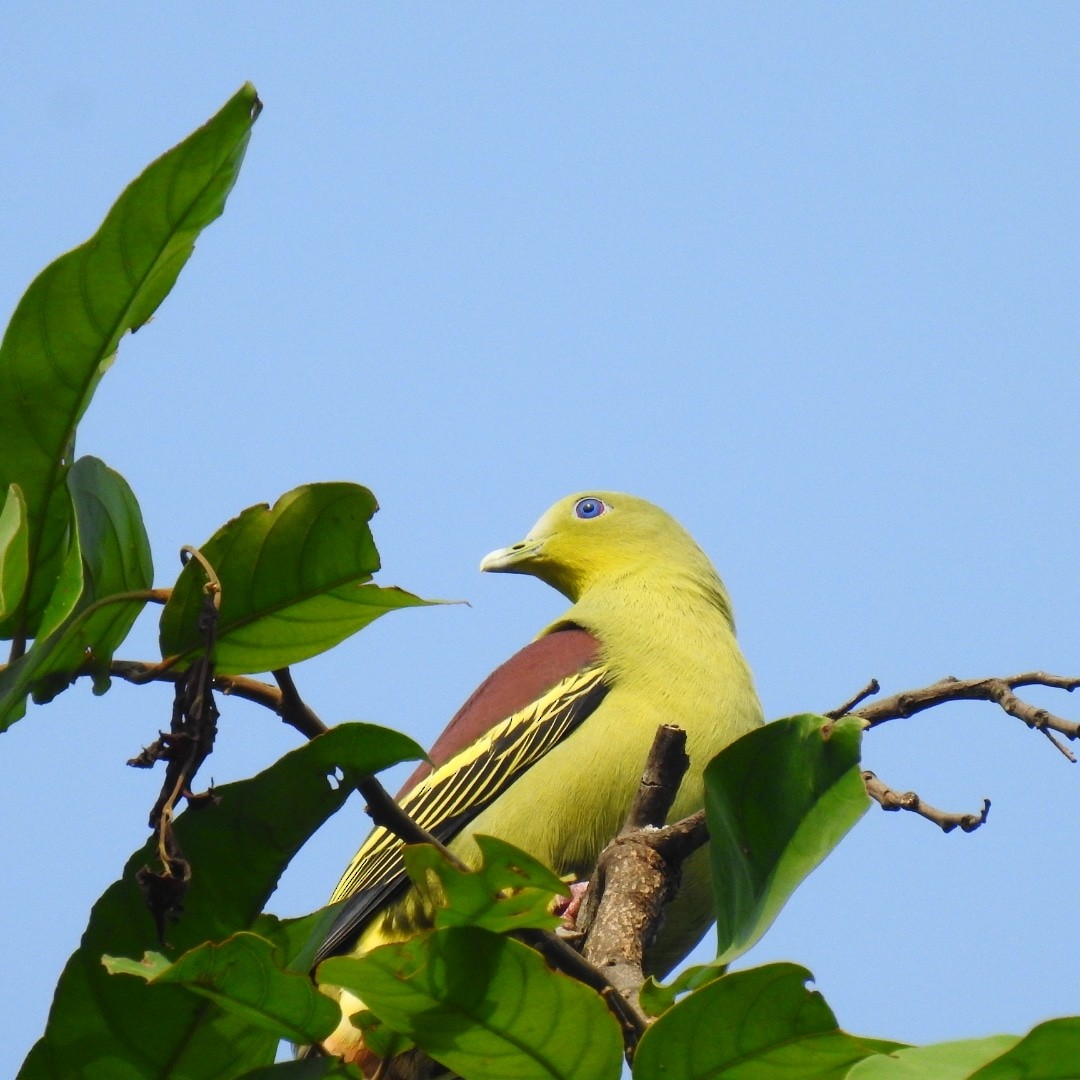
(514,685)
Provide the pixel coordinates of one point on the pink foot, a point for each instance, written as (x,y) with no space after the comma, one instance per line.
(568,907)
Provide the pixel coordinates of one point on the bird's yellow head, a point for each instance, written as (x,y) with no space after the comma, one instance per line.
(601,536)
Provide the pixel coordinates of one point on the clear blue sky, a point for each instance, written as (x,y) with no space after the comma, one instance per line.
(805,275)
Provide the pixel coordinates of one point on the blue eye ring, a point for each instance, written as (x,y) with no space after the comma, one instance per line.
(590,507)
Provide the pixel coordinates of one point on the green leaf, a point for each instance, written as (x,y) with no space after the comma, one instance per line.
(510,891)
(655,998)
(238,848)
(761,1024)
(14,559)
(485,1006)
(778,800)
(1049,1051)
(96,599)
(69,322)
(943,1061)
(298,940)
(243,975)
(293,582)
(149,967)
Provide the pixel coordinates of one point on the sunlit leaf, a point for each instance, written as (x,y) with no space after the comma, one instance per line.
(294,582)
(485,1006)
(943,1061)
(510,891)
(238,849)
(69,322)
(14,564)
(243,975)
(761,1024)
(778,800)
(95,601)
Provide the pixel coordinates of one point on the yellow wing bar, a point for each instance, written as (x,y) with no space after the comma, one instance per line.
(448,798)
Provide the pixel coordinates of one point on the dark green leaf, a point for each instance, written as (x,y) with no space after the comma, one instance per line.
(510,891)
(69,322)
(778,800)
(485,1006)
(298,940)
(1050,1051)
(237,849)
(761,1024)
(293,582)
(95,601)
(14,565)
(243,975)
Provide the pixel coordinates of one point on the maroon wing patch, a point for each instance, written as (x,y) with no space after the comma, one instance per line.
(509,688)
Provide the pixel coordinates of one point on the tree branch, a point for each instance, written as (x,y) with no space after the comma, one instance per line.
(639,872)
(998,689)
(261,693)
(889,799)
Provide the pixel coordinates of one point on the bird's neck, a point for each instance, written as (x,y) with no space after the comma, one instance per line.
(667,596)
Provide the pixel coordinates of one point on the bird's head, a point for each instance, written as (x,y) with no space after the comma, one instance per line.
(597,536)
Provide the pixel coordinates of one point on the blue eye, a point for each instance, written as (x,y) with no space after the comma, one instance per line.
(589,508)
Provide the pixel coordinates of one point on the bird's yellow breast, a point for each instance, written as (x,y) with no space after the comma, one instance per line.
(672,658)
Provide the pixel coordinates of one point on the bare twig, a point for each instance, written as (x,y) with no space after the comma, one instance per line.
(889,799)
(261,693)
(293,709)
(1000,690)
(384,811)
(871,688)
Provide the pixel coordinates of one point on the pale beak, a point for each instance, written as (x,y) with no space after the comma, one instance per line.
(513,559)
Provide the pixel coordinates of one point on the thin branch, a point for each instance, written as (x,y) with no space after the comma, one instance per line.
(890,799)
(869,690)
(384,811)
(293,709)
(261,693)
(999,690)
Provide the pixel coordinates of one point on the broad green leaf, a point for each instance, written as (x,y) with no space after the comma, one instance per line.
(47,667)
(66,328)
(238,848)
(485,1006)
(1050,1051)
(14,565)
(293,582)
(510,891)
(243,975)
(778,800)
(943,1061)
(761,1024)
(96,599)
